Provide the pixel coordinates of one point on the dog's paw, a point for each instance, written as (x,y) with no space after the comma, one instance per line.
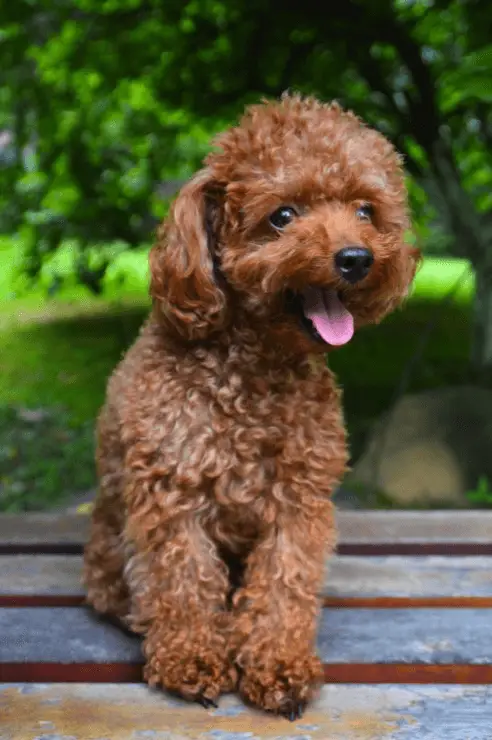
(284,686)
(194,673)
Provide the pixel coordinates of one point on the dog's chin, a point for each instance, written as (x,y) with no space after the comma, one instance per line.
(321,316)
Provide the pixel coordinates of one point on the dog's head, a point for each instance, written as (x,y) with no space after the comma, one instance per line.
(296,225)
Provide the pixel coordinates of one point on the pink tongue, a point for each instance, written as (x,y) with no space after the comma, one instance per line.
(332,321)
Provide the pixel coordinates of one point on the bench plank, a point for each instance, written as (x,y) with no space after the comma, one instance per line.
(134,712)
(355,636)
(356,527)
(413,527)
(43,529)
(41,575)
(347,577)
(411,577)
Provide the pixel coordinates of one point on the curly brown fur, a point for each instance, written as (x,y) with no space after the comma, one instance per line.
(222,436)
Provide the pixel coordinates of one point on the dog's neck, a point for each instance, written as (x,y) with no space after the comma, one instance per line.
(249,347)
(250,351)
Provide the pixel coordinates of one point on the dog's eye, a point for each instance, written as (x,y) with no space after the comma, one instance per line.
(365,212)
(282,217)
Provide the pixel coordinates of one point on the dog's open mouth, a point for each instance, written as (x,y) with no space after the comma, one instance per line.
(323,315)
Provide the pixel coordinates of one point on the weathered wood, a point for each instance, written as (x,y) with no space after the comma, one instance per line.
(133,712)
(357,645)
(41,574)
(427,636)
(357,528)
(408,577)
(346,577)
(431,636)
(63,635)
(414,527)
(43,529)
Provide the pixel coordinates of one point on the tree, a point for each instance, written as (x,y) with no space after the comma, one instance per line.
(135,86)
(90,140)
(423,78)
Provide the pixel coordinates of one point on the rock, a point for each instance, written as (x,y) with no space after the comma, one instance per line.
(33,416)
(431,448)
(79,503)
(345,499)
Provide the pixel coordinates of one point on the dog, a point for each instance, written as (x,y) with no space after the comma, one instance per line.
(222,436)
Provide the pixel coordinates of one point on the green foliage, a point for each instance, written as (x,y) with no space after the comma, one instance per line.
(57,355)
(42,457)
(91,142)
(481,496)
(106,98)
(471,82)
(42,364)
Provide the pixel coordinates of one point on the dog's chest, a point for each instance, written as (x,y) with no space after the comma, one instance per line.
(241,440)
(274,451)
(264,437)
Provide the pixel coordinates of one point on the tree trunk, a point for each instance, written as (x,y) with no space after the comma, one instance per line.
(482,324)
(472,239)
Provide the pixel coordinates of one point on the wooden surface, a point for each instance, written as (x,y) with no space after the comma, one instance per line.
(430,636)
(43,529)
(408,527)
(430,668)
(357,528)
(346,577)
(40,574)
(132,712)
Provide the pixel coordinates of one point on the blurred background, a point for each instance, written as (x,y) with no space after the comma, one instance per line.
(106,106)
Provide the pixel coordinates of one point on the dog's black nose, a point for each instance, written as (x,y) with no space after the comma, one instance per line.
(354,263)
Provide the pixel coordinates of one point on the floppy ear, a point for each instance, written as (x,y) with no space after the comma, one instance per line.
(183,280)
(414,257)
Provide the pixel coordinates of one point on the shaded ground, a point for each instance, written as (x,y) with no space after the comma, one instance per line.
(58,369)
(45,458)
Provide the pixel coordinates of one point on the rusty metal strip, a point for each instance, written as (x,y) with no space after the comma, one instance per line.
(70,673)
(41,548)
(407,673)
(40,600)
(366,673)
(349,602)
(415,549)
(409,602)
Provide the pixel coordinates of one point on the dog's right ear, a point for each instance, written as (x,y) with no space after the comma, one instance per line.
(183,279)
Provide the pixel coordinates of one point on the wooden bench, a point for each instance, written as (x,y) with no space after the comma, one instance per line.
(405,637)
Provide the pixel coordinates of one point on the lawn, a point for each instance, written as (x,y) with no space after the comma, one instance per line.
(55,356)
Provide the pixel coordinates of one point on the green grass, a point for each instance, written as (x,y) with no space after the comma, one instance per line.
(370,368)
(437,277)
(65,360)
(43,455)
(57,354)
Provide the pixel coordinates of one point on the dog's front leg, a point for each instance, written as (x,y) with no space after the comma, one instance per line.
(276,611)
(179,589)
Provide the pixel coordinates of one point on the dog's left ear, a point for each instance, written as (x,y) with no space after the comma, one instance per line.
(183,269)
(409,262)
(415,260)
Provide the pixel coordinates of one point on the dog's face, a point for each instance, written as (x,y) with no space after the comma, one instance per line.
(296,225)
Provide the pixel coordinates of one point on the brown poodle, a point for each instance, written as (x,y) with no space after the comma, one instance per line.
(222,436)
